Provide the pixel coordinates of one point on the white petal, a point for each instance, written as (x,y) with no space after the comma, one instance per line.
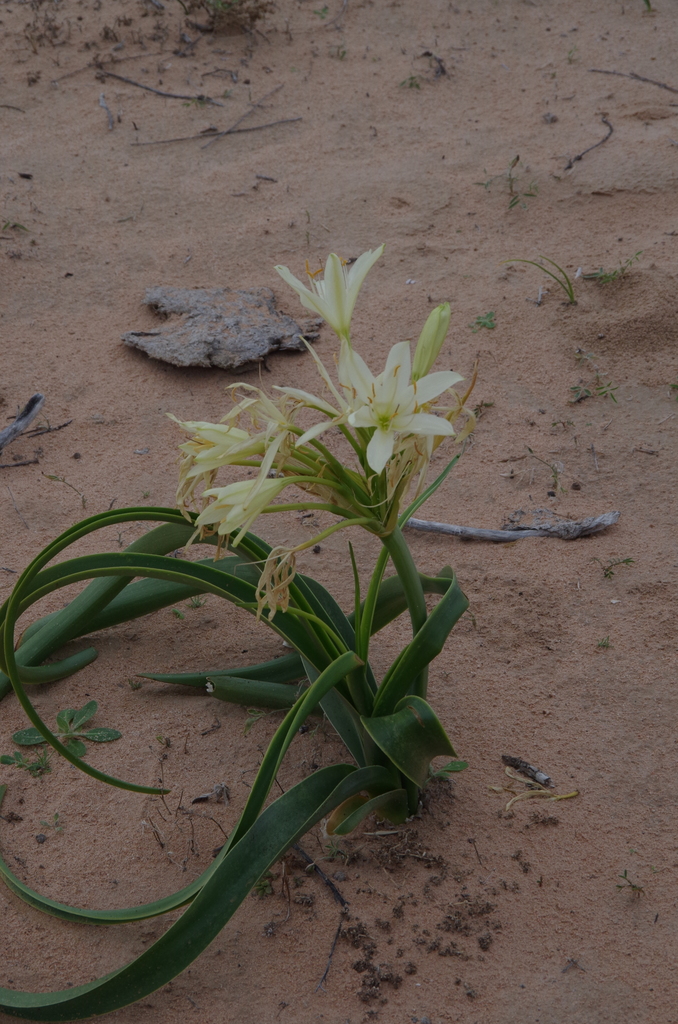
(308,399)
(314,431)
(434,384)
(425,423)
(380,449)
(359,271)
(363,417)
(334,291)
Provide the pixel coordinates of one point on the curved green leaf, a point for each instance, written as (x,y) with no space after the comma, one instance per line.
(57,669)
(411,737)
(252,692)
(278,827)
(391,805)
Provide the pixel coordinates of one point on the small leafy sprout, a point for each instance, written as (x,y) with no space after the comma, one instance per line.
(606,277)
(333,851)
(254,714)
(177,614)
(135,684)
(263,887)
(486,320)
(164,741)
(627,884)
(69,731)
(146,494)
(448,769)
(338,51)
(54,823)
(560,278)
(604,643)
(322,13)
(555,467)
(35,768)
(412,82)
(195,602)
(573,54)
(63,480)
(480,409)
(608,569)
(648,5)
(10,225)
(515,197)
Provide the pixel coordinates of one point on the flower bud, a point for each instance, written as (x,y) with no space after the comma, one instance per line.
(431,340)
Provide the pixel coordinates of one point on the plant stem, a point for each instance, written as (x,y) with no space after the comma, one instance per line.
(401,556)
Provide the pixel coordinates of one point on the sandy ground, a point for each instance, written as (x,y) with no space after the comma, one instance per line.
(527,924)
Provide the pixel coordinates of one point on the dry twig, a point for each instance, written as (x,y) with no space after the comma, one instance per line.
(26,416)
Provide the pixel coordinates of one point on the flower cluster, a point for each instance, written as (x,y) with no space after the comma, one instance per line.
(392,422)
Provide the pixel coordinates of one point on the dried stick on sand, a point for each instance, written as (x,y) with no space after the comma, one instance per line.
(26,416)
(565,529)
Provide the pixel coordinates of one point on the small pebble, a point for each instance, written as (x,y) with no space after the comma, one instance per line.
(339,876)
(40,838)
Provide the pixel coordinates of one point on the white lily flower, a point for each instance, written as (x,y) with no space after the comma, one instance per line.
(391,402)
(334,297)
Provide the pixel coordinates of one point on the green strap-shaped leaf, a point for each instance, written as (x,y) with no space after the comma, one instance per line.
(278,827)
(411,737)
(391,805)
(57,669)
(424,647)
(287,669)
(252,692)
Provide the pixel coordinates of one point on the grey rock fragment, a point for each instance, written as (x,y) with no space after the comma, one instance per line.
(218,327)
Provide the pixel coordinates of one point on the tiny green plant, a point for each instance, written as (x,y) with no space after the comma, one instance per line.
(177,614)
(604,643)
(69,730)
(607,276)
(411,82)
(556,469)
(339,51)
(597,388)
(485,320)
(196,602)
(560,277)
(135,684)
(40,766)
(516,197)
(573,54)
(55,823)
(10,225)
(63,480)
(629,886)
(264,887)
(322,13)
(448,770)
(648,5)
(334,851)
(674,388)
(609,566)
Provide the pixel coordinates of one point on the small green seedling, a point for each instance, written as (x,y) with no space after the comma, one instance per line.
(597,389)
(607,276)
(55,823)
(135,684)
(412,82)
(63,480)
(335,851)
(322,13)
(555,467)
(448,769)
(627,884)
(253,716)
(487,320)
(573,54)
(35,768)
(177,614)
(648,5)
(560,278)
(195,602)
(609,567)
(263,887)
(10,225)
(69,731)
(338,51)
(604,643)
(674,387)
